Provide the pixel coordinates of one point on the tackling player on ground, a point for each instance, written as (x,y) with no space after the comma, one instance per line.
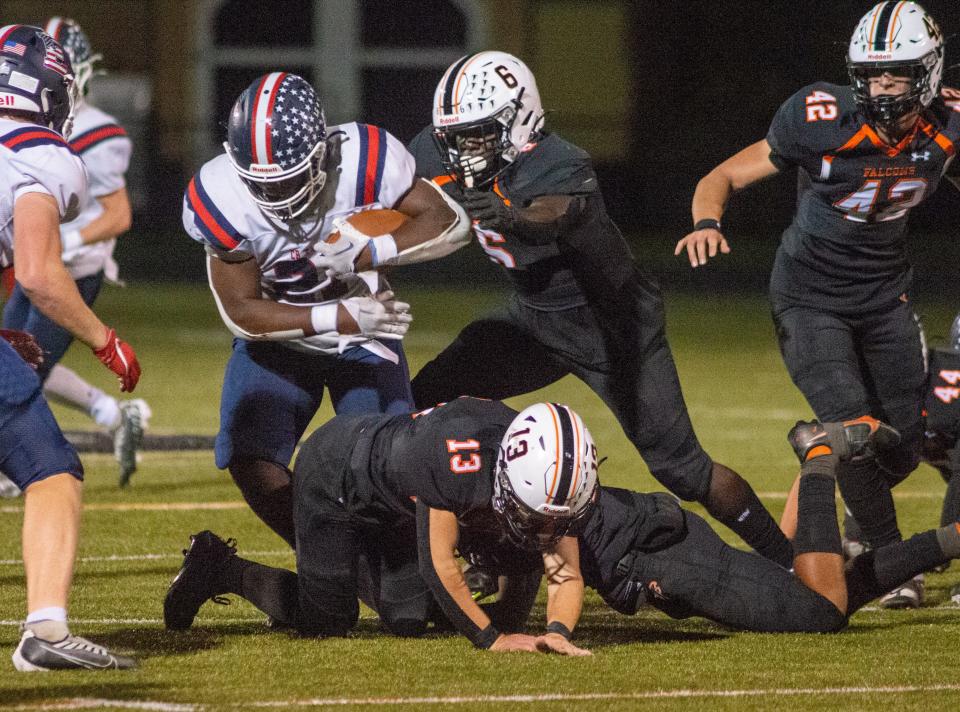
(401,491)
(264,210)
(42,183)
(581,304)
(840,288)
(88,243)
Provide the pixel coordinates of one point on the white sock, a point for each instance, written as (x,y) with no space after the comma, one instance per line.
(48,623)
(66,387)
(50,613)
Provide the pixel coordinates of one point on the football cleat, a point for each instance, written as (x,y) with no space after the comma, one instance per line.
(482,582)
(852,548)
(955,595)
(128,437)
(34,654)
(8,488)
(863,436)
(198,579)
(909,595)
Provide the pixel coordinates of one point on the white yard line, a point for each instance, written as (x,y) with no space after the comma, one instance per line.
(95,703)
(154,557)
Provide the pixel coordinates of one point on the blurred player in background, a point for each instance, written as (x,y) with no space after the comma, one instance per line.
(88,242)
(308,313)
(43,182)
(941,444)
(582,305)
(840,289)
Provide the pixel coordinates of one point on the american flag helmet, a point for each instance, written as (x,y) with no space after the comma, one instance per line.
(36,77)
(77,46)
(277,142)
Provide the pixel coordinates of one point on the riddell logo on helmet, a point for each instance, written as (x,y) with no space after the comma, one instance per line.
(265,169)
(879,57)
(7,100)
(448,120)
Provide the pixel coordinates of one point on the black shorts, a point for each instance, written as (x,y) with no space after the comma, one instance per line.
(335,525)
(627,363)
(847,367)
(703,576)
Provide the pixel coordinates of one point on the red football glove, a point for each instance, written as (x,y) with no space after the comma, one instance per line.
(25,345)
(118,356)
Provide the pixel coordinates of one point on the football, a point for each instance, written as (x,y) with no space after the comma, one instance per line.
(378,221)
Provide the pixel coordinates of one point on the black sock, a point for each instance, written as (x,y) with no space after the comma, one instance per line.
(733,502)
(883,569)
(868,497)
(951,502)
(817,527)
(274,591)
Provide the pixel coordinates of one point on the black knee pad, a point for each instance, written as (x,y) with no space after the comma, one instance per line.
(405,627)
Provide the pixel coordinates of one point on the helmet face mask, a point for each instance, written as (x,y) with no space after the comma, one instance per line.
(899,40)
(477,153)
(545,480)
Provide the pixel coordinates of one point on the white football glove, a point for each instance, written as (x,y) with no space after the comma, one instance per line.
(380,316)
(340,257)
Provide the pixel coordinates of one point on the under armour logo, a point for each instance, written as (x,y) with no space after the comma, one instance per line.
(920,156)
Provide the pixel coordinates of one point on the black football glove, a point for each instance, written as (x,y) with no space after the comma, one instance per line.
(489,209)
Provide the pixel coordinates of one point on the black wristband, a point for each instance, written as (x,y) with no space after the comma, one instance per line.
(558,627)
(486,637)
(707,224)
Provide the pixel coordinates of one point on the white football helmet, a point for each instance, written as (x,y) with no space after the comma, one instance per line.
(486,109)
(899,38)
(546,475)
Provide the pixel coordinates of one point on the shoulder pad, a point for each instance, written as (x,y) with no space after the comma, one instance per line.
(32,136)
(210,207)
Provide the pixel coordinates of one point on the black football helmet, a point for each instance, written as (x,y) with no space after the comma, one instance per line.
(77,46)
(36,78)
(277,142)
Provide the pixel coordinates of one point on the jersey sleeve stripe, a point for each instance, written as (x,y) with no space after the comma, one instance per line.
(370,164)
(31,136)
(94,137)
(212,223)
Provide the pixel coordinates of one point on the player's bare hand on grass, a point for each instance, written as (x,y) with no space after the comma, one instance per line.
(515,643)
(702,244)
(556,643)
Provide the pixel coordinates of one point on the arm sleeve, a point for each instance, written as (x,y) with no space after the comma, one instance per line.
(784,134)
(399,172)
(107,164)
(480,637)
(54,171)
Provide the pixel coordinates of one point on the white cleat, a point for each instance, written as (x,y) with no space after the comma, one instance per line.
(128,437)
(909,595)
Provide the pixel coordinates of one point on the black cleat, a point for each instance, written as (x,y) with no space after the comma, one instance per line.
(849,439)
(197,581)
(34,654)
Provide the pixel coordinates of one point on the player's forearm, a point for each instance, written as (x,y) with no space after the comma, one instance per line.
(265,320)
(711,196)
(51,290)
(564,601)
(115,220)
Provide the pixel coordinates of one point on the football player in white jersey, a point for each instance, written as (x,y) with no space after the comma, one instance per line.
(43,182)
(265,210)
(88,242)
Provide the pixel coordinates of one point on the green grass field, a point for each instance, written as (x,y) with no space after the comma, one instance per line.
(742,404)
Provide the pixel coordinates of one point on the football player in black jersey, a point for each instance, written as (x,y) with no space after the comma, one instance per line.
(395,491)
(941,443)
(581,304)
(637,549)
(840,289)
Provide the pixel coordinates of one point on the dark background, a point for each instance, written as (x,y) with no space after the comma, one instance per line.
(706,78)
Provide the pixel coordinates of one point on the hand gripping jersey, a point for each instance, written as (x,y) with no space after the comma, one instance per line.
(375,172)
(943,396)
(541,275)
(34,159)
(105,149)
(855,190)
